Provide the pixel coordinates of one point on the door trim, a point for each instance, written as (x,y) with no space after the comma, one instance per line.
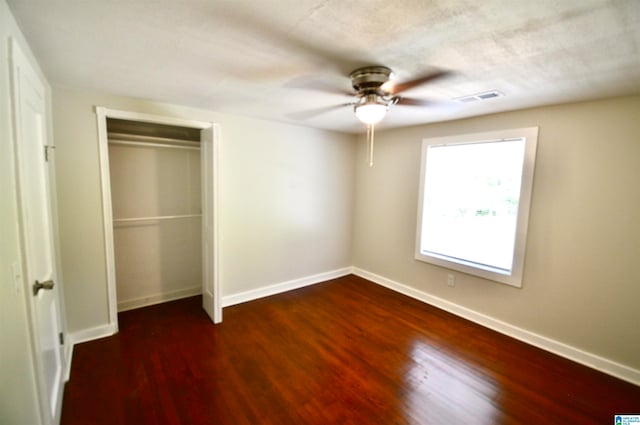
(107,215)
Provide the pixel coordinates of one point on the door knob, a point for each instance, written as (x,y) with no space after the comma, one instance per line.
(48,284)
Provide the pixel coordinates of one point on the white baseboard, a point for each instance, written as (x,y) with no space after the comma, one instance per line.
(92,333)
(68,356)
(594,361)
(158,298)
(254,294)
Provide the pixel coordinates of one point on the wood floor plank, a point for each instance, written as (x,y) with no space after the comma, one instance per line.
(345,351)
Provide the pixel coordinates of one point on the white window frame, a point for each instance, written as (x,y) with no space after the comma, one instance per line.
(514,277)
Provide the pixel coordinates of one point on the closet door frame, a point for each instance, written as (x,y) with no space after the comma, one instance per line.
(210,130)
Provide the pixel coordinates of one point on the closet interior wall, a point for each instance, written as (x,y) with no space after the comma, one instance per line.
(156,201)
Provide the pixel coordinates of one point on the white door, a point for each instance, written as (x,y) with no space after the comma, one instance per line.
(30,127)
(208,158)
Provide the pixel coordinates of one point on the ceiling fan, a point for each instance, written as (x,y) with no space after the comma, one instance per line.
(374,93)
(374,90)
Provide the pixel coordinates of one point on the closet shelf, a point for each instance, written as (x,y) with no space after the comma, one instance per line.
(159,217)
(151,141)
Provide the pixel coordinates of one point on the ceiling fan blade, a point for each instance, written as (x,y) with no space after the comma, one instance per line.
(264,28)
(408,101)
(423,79)
(435,106)
(328,88)
(321,86)
(310,113)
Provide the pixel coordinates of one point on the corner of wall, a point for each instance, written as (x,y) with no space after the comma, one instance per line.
(577,355)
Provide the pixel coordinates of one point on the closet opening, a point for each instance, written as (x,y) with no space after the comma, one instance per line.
(159,199)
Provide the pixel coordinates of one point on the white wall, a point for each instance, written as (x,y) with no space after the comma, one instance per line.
(285,206)
(18,392)
(286,213)
(581,281)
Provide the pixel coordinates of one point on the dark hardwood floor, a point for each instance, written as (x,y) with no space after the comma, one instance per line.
(342,352)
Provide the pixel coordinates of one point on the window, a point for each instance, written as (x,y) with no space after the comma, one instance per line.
(475,192)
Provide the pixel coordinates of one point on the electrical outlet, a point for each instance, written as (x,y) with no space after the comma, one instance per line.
(451,280)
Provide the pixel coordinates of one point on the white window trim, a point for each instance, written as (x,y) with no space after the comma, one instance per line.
(530,134)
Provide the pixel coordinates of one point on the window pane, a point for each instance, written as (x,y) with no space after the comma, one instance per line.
(471,197)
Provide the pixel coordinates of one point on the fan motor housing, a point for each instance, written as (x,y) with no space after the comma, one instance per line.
(369,78)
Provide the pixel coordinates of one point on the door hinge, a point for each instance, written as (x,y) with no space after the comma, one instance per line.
(61,338)
(46,151)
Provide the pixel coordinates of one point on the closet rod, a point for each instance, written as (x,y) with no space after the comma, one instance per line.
(160,217)
(155,145)
(158,139)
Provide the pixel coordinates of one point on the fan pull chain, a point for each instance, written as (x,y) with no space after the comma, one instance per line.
(370,131)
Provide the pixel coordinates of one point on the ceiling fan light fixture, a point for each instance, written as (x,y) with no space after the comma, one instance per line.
(372,110)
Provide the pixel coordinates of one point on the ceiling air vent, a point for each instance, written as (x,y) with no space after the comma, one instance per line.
(480,96)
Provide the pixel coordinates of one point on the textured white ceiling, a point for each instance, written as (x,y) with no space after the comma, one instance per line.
(270,58)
